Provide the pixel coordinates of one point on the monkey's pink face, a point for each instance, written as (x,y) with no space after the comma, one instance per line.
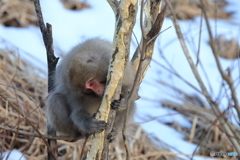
(94,86)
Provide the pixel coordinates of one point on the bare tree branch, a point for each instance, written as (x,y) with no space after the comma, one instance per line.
(48,42)
(52,62)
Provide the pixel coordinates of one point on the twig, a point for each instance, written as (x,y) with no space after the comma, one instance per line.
(83,146)
(129,100)
(193,129)
(46,136)
(199,41)
(177,75)
(48,42)
(158,34)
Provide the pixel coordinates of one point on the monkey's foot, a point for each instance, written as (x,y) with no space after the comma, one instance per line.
(112,135)
(115,104)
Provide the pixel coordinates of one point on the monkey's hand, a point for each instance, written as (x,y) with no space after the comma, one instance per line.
(93,125)
(86,123)
(119,104)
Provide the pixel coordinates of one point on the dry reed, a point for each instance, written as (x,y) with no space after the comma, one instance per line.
(228,49)
(188,9)
(204,130)
(17,13)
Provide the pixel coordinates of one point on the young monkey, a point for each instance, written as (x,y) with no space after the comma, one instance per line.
(79,84)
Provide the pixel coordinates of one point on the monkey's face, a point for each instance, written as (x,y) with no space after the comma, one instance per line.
(93,86)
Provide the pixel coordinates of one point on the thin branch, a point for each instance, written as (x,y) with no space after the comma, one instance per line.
(199,41)
(32,134)
(52,62)
(48,42)
(145,50)
(177,75)
(114,4)
(158,35)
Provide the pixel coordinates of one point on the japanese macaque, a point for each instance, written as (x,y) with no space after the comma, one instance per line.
(79,85)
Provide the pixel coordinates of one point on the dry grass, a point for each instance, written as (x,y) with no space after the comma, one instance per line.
(21,13)
(20,87)
(17,13)
(188,9)
(228,49)
(204,131)
(23,89)
(75,4)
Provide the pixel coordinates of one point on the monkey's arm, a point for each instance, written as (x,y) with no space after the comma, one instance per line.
(58,114)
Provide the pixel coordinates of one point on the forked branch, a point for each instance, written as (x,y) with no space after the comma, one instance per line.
(125,12)
(150,27)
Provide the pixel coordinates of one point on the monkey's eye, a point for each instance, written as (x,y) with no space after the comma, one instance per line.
(103,82)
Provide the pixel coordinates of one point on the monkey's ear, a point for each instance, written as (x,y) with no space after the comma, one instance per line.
(94,86)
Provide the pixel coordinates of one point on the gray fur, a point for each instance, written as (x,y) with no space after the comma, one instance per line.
(70,110)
